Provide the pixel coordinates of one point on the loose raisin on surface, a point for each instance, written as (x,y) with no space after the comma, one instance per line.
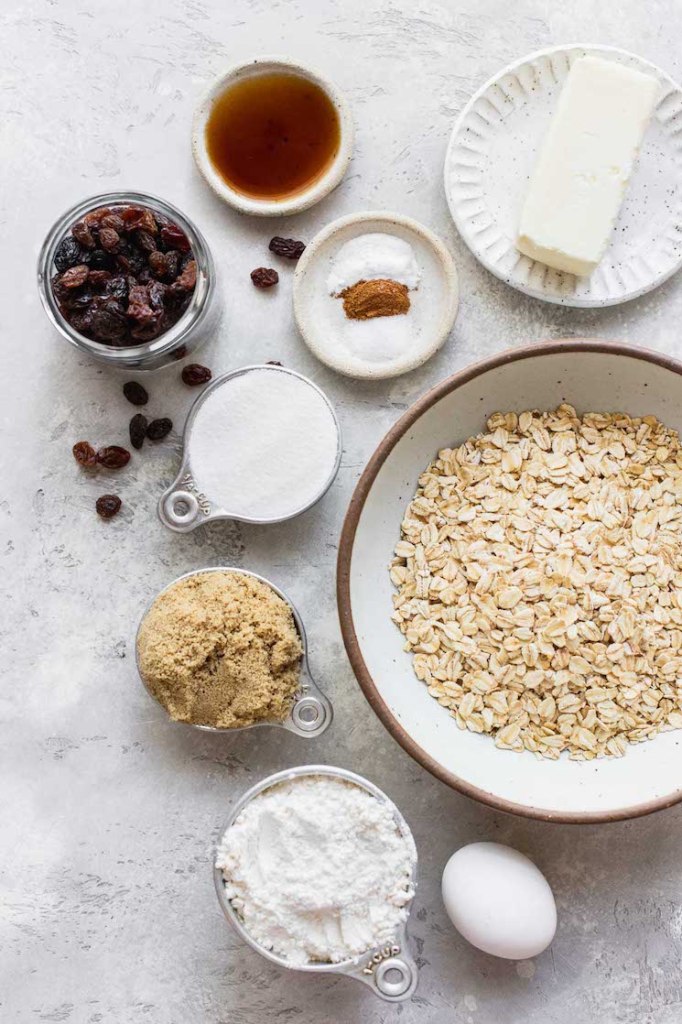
(109,239)
(135,393)
(113,457)
(84,454)
(264,277)
(174,237)
(158,429)
(194,374)
(108,505)
(274,362)
(289,248)
(82,233)
(74,277)
(138,430)
(67,254)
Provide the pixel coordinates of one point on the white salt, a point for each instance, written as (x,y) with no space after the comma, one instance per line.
(371,257)
(263,444)
(381,340)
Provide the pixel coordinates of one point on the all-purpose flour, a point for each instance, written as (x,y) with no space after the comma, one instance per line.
(317,870)
(263,444)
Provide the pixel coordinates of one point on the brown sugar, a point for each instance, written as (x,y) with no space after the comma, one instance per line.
(221,649)
(368,299)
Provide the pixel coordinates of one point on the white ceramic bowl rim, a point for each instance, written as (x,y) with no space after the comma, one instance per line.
(343,583)
(306,197)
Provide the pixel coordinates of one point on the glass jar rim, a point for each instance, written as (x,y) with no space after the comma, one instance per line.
(171,338)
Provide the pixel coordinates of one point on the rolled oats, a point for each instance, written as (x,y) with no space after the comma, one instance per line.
(539,581)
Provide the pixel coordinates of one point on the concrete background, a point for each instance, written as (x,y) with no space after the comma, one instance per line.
(108,813)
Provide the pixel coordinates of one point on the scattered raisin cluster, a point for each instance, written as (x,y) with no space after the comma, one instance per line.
(288,249)
(124,275)
(139,428)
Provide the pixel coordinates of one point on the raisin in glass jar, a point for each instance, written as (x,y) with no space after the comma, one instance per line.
(196,312)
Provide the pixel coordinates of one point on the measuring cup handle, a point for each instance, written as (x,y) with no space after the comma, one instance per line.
(312,714)
(393,978)
(312,710)
(179,510)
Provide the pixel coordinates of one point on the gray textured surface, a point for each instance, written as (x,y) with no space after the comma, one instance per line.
(108,813)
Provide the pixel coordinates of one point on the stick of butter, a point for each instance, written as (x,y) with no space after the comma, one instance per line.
(582,172)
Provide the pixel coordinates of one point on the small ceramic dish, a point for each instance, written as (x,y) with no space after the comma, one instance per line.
(320,316)
(492,153)
(389,971)
(309,195)
(594,376)
(184,505)
(311,712)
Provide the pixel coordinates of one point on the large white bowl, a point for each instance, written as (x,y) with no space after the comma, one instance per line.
(593,376)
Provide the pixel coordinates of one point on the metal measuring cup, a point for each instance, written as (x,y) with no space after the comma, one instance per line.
(388,970)
(311,711)
(183,506)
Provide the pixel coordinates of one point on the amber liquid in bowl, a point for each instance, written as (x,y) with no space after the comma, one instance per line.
(272,136)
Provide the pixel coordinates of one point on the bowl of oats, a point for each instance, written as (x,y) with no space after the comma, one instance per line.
(510,581)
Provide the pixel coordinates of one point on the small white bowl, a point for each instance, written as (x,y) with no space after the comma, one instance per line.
(306,197)
(320,316)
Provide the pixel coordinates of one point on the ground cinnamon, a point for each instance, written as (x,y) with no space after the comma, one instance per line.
(368,299)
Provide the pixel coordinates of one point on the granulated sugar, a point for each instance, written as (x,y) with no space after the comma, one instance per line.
(263,444)
(317,870)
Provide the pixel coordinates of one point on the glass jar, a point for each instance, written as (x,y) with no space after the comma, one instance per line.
(193,327)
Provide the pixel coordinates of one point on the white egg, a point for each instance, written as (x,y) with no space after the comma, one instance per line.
(499,901)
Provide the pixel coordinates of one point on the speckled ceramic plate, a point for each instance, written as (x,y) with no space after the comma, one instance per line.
(323,323)
(492,152)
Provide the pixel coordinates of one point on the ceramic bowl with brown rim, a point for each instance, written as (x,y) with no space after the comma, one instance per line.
(592,375)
